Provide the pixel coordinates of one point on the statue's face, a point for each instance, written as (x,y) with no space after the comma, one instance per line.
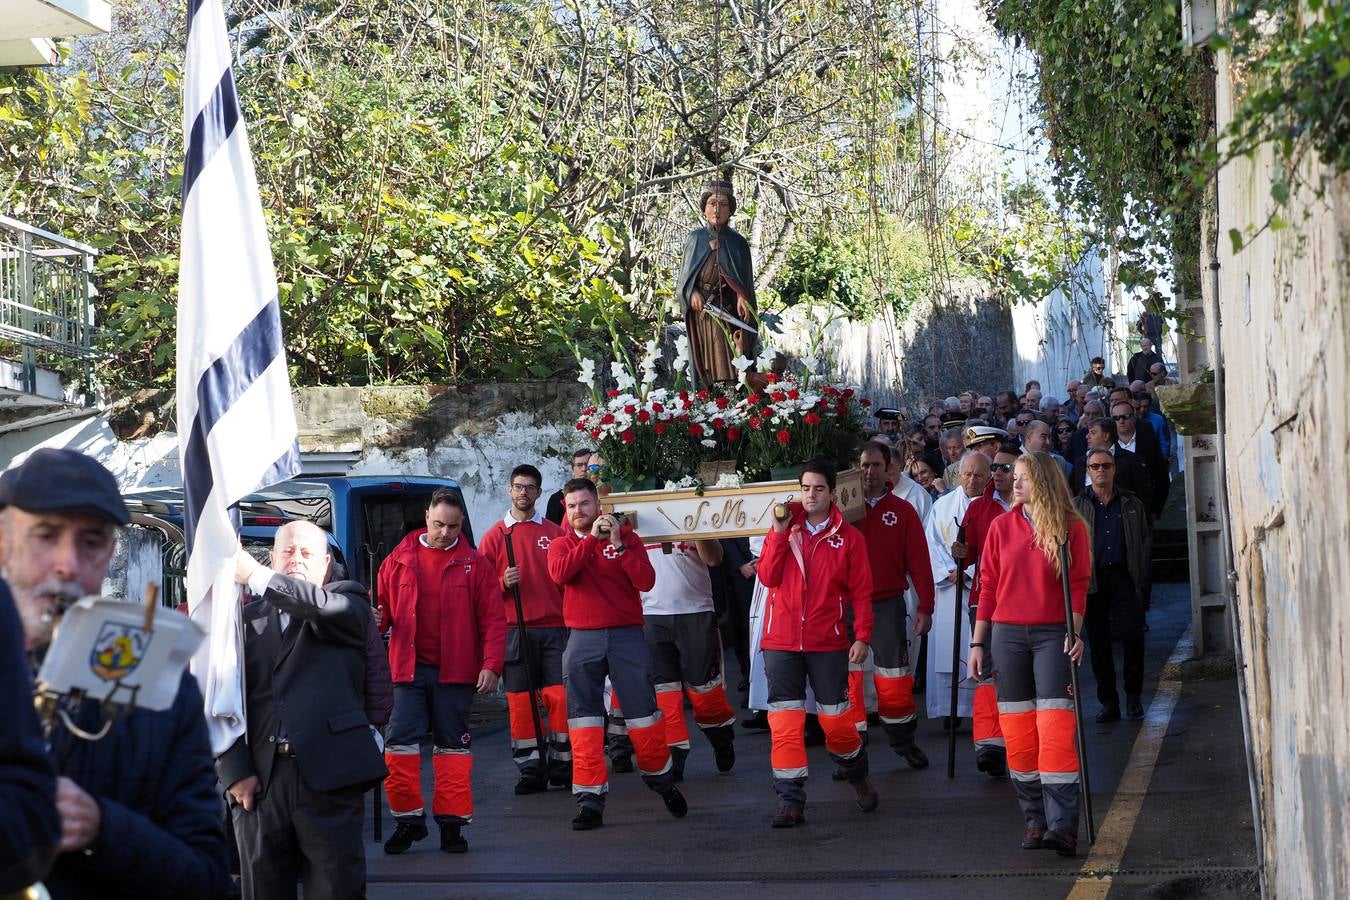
(717,210)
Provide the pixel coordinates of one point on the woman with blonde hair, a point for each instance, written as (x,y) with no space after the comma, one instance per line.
(1020,625)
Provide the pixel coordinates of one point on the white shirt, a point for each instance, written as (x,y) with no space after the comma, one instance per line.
(815,529)
(908,489)
(683,582)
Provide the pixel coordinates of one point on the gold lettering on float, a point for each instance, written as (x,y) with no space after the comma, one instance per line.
(691,521)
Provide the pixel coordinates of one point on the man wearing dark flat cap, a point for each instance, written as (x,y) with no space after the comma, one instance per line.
(139,812)
(888,421)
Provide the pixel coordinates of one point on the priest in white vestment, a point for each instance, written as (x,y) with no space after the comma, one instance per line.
(941,527)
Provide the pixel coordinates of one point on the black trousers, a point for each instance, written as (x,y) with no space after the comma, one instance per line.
(1116,611)
(297,833)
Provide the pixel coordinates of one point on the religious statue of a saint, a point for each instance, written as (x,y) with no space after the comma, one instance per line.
(716,284)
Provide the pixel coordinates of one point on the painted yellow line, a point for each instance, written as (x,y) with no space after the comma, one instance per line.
(1114,835)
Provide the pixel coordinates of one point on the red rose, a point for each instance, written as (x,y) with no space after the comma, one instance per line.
(778,396)
(581,426)
(733,434)
(772,377)
(794,394)
(848,392)
(702,396)
(754,421)
(657,407)
(696,429)
(611,393)
(719,423)
(829,391)
(659,428)
(768,411)
(684,395)
(722,402)
(643,416)
(811,419)
(823,404)
(630,409)
(784,437)
(627,436)
(595,435)
(842,408)
(753,399)
(608,419)
(588,411)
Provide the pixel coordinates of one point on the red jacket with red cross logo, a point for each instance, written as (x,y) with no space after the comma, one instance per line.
(898,551)
(810,578)
(540,596)
(600,585)
(473,629)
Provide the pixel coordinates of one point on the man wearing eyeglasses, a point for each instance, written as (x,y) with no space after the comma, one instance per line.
(1102,435)
(534,663)
(555,509)
(1118,525)
(1139,438)
(990,755)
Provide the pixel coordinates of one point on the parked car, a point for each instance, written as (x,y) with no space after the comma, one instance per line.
(365,516)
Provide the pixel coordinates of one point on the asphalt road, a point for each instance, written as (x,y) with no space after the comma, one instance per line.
(931,837)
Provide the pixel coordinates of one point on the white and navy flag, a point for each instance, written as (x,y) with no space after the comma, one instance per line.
(236,423)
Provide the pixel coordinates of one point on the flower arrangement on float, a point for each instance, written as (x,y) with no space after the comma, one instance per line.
(726,442)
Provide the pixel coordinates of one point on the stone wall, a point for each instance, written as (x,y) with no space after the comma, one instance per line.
(1283,309)
(474,434)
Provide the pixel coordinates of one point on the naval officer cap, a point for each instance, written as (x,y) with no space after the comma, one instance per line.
(57,480)
(980,434)
(889,414)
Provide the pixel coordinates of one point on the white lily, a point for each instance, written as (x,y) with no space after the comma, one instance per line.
(621,376)
(742,364)
(587,376)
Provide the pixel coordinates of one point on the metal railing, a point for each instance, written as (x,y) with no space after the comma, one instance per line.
(46,303)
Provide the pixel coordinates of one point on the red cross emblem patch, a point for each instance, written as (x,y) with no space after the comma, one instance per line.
(836,541)
(889,518)
(609,552)
(544,541)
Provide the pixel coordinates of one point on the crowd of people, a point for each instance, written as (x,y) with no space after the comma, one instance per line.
(999,525)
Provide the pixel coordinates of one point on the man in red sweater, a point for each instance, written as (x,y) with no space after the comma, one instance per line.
(441,604)
(990,752)
(813,563)
(602,568)
(897,552)
(524,536)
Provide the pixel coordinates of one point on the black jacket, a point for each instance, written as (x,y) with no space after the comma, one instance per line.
(307,685)
(1135,521)
(162,832)
(1130,476)
(29,826)
(1153,465)
(556,508)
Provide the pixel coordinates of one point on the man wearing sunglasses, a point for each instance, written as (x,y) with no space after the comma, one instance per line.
(1102,435)
(1139,438)
(1118,527)
(990,755)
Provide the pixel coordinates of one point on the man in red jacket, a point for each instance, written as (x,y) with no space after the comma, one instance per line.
(529,535)
(990,751)
(440,601)
(897,551)
(813,563)
(602,568)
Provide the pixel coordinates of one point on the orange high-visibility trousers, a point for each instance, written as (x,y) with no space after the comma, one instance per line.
(1038,723)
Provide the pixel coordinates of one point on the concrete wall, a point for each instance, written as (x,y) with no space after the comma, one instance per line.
(1283,325)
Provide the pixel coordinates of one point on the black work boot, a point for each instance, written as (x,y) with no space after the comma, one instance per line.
(404,835)
(451,841)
